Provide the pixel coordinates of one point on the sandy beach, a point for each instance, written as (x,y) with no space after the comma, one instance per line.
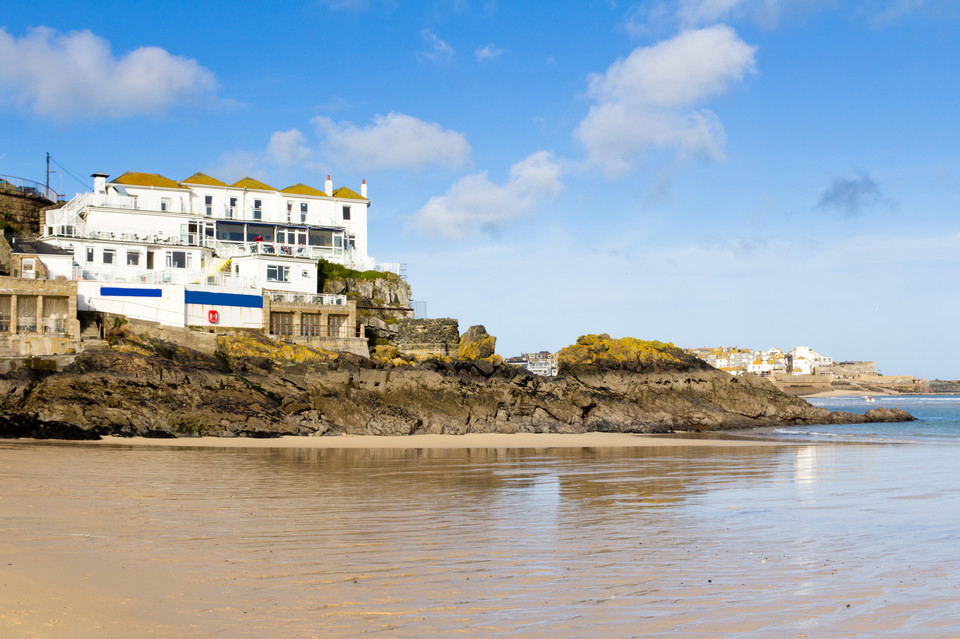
(478,535)
(840,393)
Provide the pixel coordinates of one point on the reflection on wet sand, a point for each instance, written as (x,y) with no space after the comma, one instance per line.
(133,541)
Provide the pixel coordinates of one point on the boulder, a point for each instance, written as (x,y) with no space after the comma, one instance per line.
(476,343)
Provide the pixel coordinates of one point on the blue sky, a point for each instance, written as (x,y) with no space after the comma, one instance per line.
(741,172)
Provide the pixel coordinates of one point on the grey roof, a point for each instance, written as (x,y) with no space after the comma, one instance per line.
(32,247)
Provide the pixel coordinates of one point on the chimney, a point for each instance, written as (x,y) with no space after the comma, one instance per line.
(99,182)
(328,186)
(363,189)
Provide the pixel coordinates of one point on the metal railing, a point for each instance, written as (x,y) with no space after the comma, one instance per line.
(325,299)
(287,329)
(26,187)
(275,249)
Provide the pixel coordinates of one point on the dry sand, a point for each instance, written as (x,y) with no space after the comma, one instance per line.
(472,440)
(846,393)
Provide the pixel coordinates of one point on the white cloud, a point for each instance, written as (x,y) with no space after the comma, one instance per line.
(488,52)
(647,100)
(75,76)
(440,52)
(474,204)
(393,141)
(643,18)
(287,148)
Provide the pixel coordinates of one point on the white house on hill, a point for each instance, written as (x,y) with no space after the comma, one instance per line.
(221,247)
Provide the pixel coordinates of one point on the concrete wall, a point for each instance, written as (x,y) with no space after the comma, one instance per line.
(163,303)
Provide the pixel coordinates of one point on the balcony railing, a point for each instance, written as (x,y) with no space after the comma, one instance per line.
(274,249)
(307,298)
(174,276)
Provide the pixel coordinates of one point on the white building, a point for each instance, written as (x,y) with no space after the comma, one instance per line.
(184,249)
(542,363)
(807,361)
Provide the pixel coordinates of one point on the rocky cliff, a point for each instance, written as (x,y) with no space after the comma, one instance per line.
(256,387)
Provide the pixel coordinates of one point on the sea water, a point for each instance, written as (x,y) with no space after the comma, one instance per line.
(853,533)
(938,420)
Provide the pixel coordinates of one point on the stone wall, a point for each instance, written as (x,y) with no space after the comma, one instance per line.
(412,331)
(45,334)
(851,370)
(22,211)
(427,336)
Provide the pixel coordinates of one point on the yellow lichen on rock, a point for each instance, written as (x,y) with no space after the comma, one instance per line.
(251,344)
(476,343)
(385,352)
(628,353)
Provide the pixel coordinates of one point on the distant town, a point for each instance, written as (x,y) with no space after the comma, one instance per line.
(800,371)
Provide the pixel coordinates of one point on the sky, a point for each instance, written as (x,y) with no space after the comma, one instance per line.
(753,173)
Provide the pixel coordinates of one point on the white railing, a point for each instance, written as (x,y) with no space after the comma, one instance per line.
(388,267)
(274,249)
(170,276)
(325,299)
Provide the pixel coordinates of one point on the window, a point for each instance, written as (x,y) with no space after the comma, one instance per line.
(179,259)
(303,212)
(232,207)
(89,254)
(336,326)
(164,204)
(289,211)
(109,256)
(281,323)
(257,209)
(208,205)
(346,212)
(310,325)
(133,258)
(278,273)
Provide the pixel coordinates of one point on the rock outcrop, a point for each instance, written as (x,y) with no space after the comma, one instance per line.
(256,387)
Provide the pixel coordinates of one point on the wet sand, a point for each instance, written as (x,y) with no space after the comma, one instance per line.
(470,440)
(669,538)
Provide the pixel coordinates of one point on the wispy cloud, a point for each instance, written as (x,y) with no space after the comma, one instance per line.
(488,52)
(648,100)
(851,196)
(288,148)
(392,141)
(653,16)
(439,53)
(475,205)
(75,76)
(360,6)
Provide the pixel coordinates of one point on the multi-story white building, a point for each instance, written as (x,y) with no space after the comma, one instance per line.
(220,246)
(542,363)
(806,361)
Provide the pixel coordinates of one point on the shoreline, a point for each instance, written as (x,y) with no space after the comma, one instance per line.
(469,440)
(839,393)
